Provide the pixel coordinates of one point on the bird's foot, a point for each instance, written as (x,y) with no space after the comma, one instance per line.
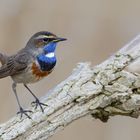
(37,103)
(24,112)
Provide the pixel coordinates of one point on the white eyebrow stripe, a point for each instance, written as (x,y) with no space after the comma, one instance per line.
(50,55)
(44,36)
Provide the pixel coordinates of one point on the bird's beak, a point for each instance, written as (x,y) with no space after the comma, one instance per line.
(58,39)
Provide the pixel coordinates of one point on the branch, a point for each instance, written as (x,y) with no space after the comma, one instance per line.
(102,91)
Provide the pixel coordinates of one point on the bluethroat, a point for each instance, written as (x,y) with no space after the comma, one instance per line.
(31,64)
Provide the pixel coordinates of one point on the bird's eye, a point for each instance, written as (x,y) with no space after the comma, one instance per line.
(45,39)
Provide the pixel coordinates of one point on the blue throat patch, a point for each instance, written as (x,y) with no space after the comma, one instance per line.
(47,63)
(50,47)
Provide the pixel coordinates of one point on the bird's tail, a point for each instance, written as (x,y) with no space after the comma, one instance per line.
(3,69)
(3,58)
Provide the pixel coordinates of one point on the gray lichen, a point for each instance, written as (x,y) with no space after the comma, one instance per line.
(102,91)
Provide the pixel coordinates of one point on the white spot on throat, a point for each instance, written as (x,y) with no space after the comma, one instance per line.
(50,55)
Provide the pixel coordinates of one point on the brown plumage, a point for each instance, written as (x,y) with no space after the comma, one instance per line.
(14,64)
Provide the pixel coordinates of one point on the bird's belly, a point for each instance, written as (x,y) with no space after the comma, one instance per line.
(25,78)
(31,75)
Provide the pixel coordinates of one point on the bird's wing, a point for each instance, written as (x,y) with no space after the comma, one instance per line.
(15,64)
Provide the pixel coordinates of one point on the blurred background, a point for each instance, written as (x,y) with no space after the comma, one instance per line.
(95,30)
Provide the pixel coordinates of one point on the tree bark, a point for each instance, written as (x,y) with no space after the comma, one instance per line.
(105,90)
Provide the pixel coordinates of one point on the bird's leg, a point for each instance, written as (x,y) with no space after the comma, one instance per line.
(36,102)
(21,110)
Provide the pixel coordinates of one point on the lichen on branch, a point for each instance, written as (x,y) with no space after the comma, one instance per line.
(111,88)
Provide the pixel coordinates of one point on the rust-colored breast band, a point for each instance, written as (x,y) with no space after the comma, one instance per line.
(38,73)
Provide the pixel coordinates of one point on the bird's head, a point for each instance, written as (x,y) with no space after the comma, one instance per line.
(44,40)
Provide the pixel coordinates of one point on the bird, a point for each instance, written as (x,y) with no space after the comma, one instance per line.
(31,64)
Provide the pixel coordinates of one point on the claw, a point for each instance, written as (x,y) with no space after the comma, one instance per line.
(38,103)
(24,112)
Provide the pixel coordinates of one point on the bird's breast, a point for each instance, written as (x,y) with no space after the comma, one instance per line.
(31,75)
(38,73)
(36,70)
